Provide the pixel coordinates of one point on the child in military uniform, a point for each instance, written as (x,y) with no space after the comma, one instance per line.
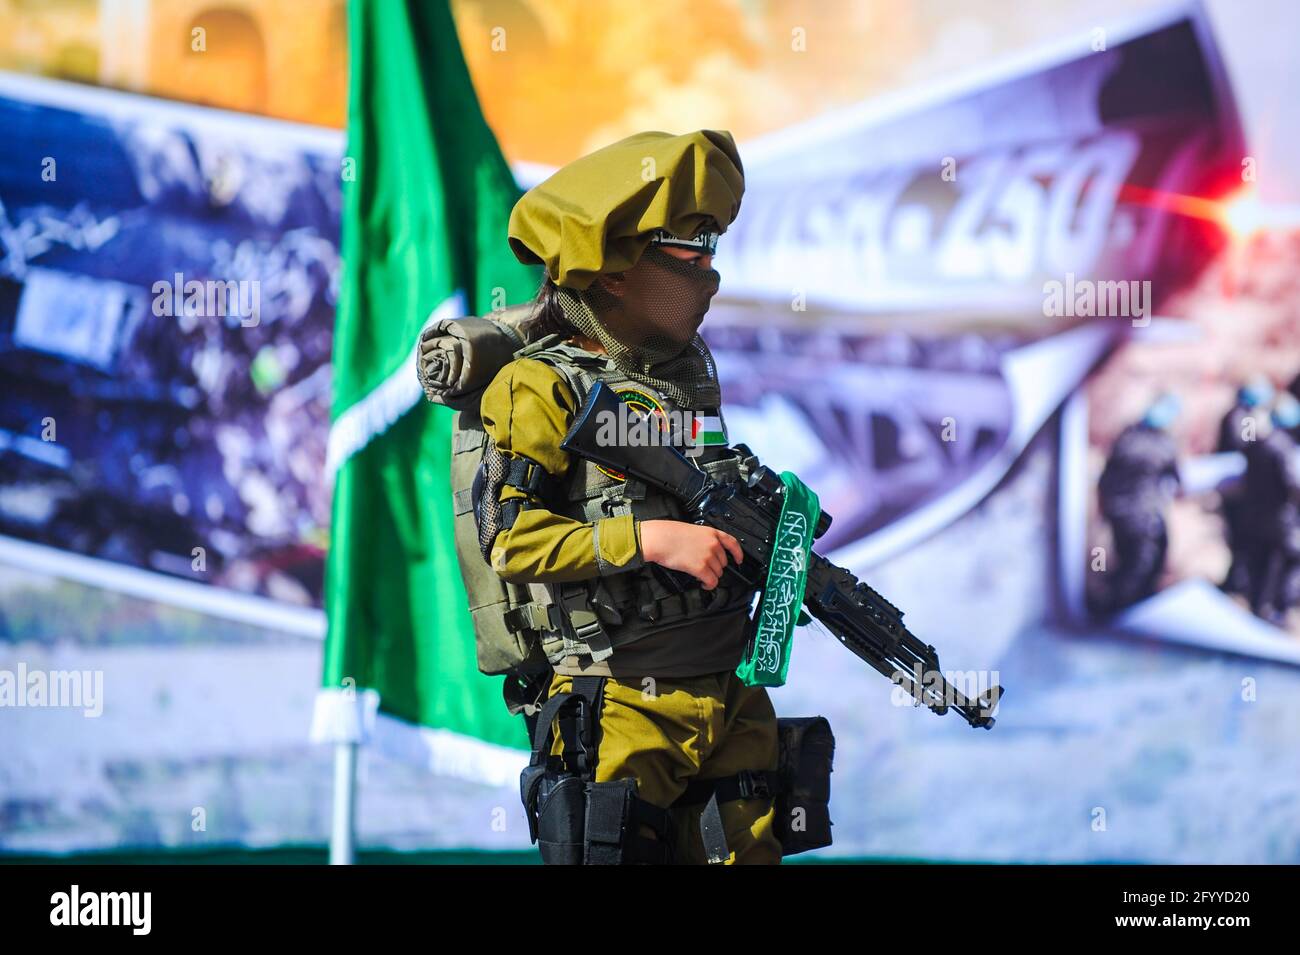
(627,236)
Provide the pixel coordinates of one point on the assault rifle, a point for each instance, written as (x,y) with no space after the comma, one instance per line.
(860,618)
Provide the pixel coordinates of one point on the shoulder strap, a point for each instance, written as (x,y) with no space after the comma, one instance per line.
(570,361)
(577,367)
(542,344)
(509,331)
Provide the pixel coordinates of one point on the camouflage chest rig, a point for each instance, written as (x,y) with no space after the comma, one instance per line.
(598,616)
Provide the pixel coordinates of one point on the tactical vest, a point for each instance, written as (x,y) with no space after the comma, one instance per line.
(597,616)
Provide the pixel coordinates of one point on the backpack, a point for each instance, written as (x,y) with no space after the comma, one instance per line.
(456,360)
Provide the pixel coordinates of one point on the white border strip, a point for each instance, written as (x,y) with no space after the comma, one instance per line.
(114,104)
(352,716)
(389,400)
(1072,506)
(153,585)
(1194,612)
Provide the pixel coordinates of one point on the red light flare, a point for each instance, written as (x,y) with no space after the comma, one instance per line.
(1240,215)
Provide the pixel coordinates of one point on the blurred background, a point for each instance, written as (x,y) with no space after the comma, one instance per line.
(1096,508)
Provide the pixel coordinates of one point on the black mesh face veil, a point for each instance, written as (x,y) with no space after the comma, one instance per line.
(649,322)
(658,307)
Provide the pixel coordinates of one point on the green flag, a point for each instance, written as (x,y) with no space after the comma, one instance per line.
(426,200)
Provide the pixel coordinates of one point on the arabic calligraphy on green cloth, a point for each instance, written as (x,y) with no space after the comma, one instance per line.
(767,655)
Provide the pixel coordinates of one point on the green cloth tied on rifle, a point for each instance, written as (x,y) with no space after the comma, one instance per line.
(767,655)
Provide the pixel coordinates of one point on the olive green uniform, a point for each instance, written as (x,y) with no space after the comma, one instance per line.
(674,709)
(704,727)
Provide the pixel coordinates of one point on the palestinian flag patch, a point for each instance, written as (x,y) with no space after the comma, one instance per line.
(708,430)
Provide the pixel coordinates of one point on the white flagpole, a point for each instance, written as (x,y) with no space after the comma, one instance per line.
(342,831)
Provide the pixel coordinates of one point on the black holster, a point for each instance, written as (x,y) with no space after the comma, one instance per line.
(573,819)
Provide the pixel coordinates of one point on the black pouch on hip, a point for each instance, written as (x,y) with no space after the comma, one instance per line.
(807,750)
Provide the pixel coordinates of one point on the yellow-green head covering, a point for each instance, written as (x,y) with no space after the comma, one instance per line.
(597,214)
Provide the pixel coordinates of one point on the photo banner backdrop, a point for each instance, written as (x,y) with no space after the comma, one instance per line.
(168,281)
(924,295)
(971,195)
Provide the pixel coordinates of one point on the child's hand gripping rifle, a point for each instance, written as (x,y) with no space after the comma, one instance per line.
(860,618)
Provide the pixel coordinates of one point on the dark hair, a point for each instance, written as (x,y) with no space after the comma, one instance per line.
(548,316)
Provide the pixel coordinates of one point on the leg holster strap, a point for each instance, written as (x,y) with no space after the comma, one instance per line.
(573,819)
(800,788)
(746,784)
